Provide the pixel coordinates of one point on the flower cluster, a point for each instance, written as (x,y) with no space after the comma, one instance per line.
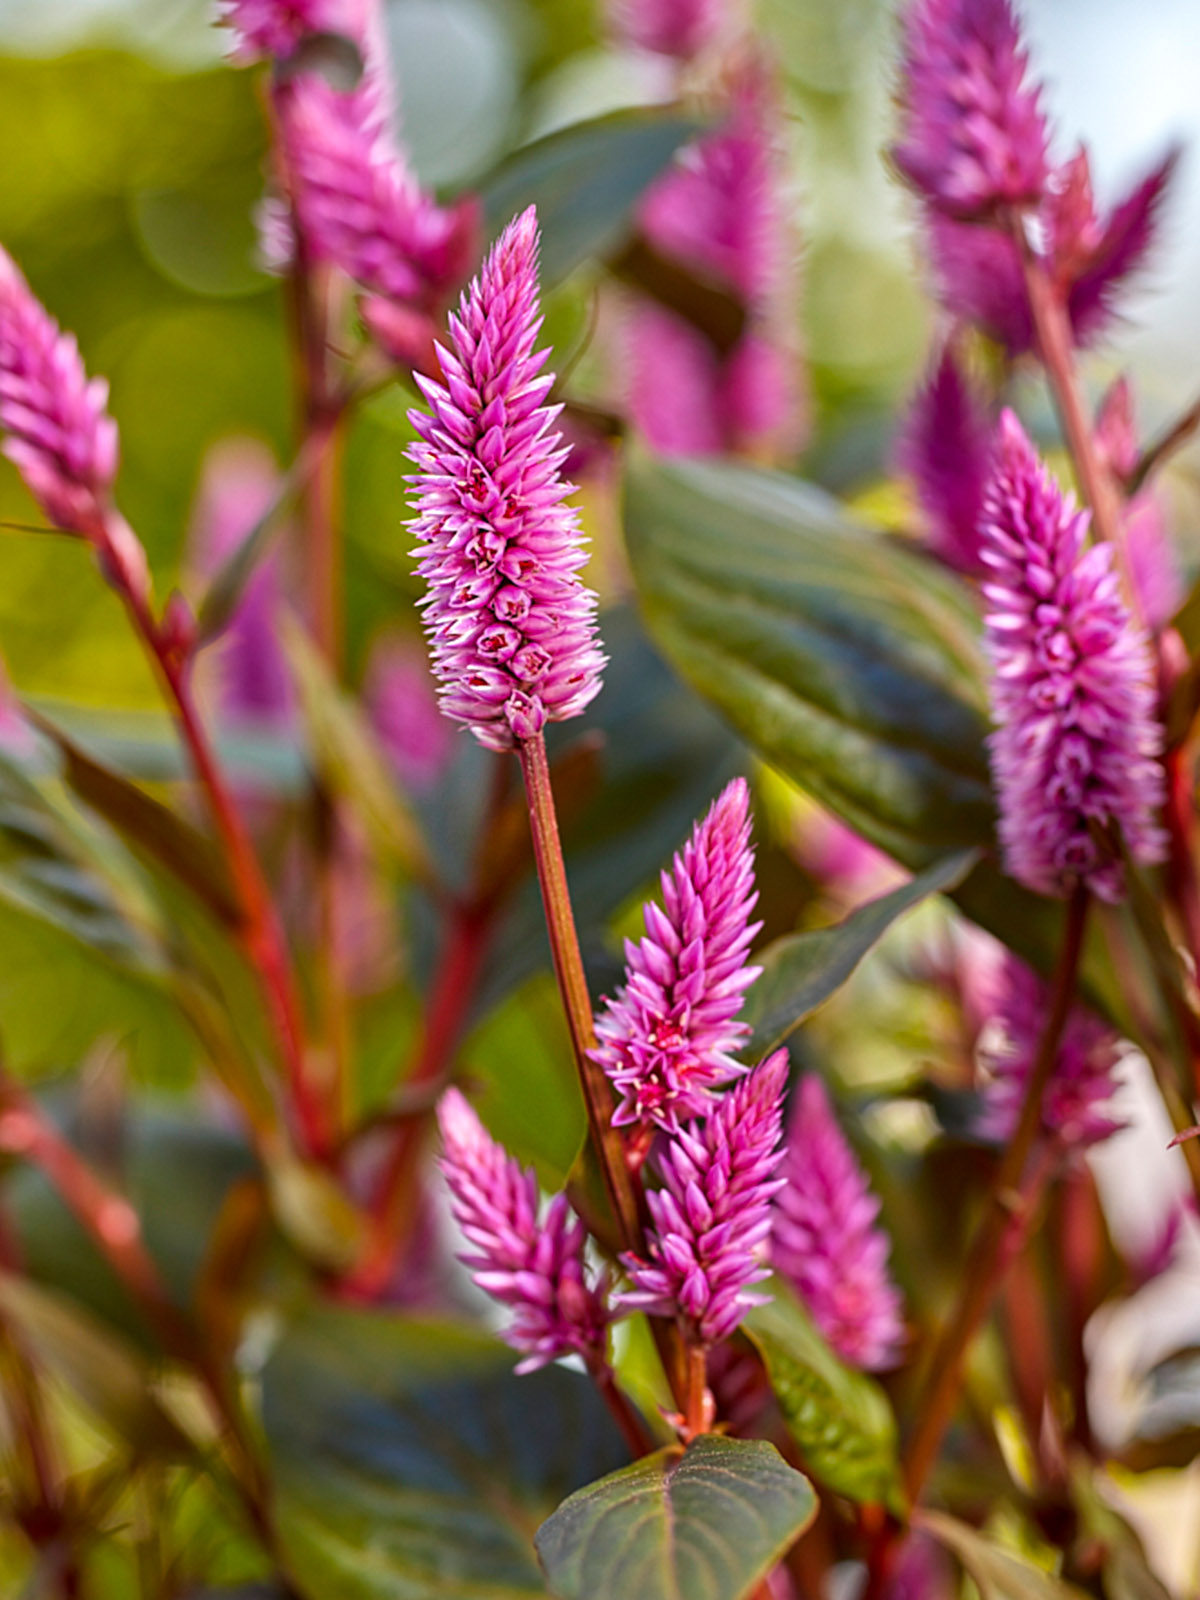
(1008,1003)
(58,431)
(1076,741)
(974,137)
(945,448)
(719,213)
(712,1217)
(825,1240)
(534,1267)
(274,29)
(511,627)
(665,1041)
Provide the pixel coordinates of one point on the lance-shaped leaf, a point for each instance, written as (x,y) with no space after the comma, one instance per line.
(840,1418)
(851,663)
(998,1573)
(409,1461)
(585,181)
(802,970)
(703,1524)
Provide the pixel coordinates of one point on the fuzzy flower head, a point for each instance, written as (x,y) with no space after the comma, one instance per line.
(974,137)
(275,28)
(712,1217)
(665,1041)
(679,28)
(945,448)
(534,1267)
(1076,742)
(826,1240)
(1008,1003)
(511,627)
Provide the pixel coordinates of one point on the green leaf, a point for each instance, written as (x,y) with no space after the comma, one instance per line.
(999,1573)
(704,1524)
(802,970)
(840,1418)
(409,1461)
(849,662)
(585,181)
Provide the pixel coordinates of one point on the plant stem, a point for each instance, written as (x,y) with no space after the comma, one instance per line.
(633,1430)
(698,1409)
(1160,449)
(1004,1227)
(572,984)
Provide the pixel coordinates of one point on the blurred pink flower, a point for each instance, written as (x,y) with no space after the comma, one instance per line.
(402,704)
(720,213)
(253,683)
(826,1240)
(945,448)
(841,860)
(679,28)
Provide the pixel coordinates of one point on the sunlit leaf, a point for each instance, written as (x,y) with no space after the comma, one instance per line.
(999,1573)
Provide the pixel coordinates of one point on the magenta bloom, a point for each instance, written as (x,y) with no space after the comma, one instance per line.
(536,1268)
(679,28)
(511,627)
(974,137)
(720,213)
(359,206)
(274,28)
(240,481)
(826,1241)
(1073,699)
(945,448)
(665,1041)
(1009,1002)
(712,1218)
(403,708)
(60,436)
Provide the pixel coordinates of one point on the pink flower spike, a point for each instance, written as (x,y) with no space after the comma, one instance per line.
(665,1041)
(403,709)
(275,28)
(974,137)
(534,1267)
(712,1218)
(511,628)
(1073,700)
(945,448)
(826,1240)
(1120,249)
(679,28)
(1012,1010)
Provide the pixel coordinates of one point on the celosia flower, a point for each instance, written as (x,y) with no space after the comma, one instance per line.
(1076,741)
(512,628)
(974,137)
(825,1239)
(403,710)
(1008,1004)
(719,212)
(239,483)
(534,1267)
(945,448)
(274,28)
(679,28)
(712,1218)
(59,433)
(665,1040)
(978,273)
(359,206)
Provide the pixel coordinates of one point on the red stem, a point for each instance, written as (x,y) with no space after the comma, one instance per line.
(572,984)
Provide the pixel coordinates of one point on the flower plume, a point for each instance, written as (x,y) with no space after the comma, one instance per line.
(1076,742)
(534,1267)
(679,28)
(826,1241)
(945,448)
(712,1217)
(511,627)
(665,1040)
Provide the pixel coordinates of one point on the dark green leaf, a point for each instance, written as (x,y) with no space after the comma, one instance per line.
(840,1418)
(851,663)
(801,971)
(999,1573)
(704,1524)
(147,825)
(585,181)
(410,1461)
(718,314)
